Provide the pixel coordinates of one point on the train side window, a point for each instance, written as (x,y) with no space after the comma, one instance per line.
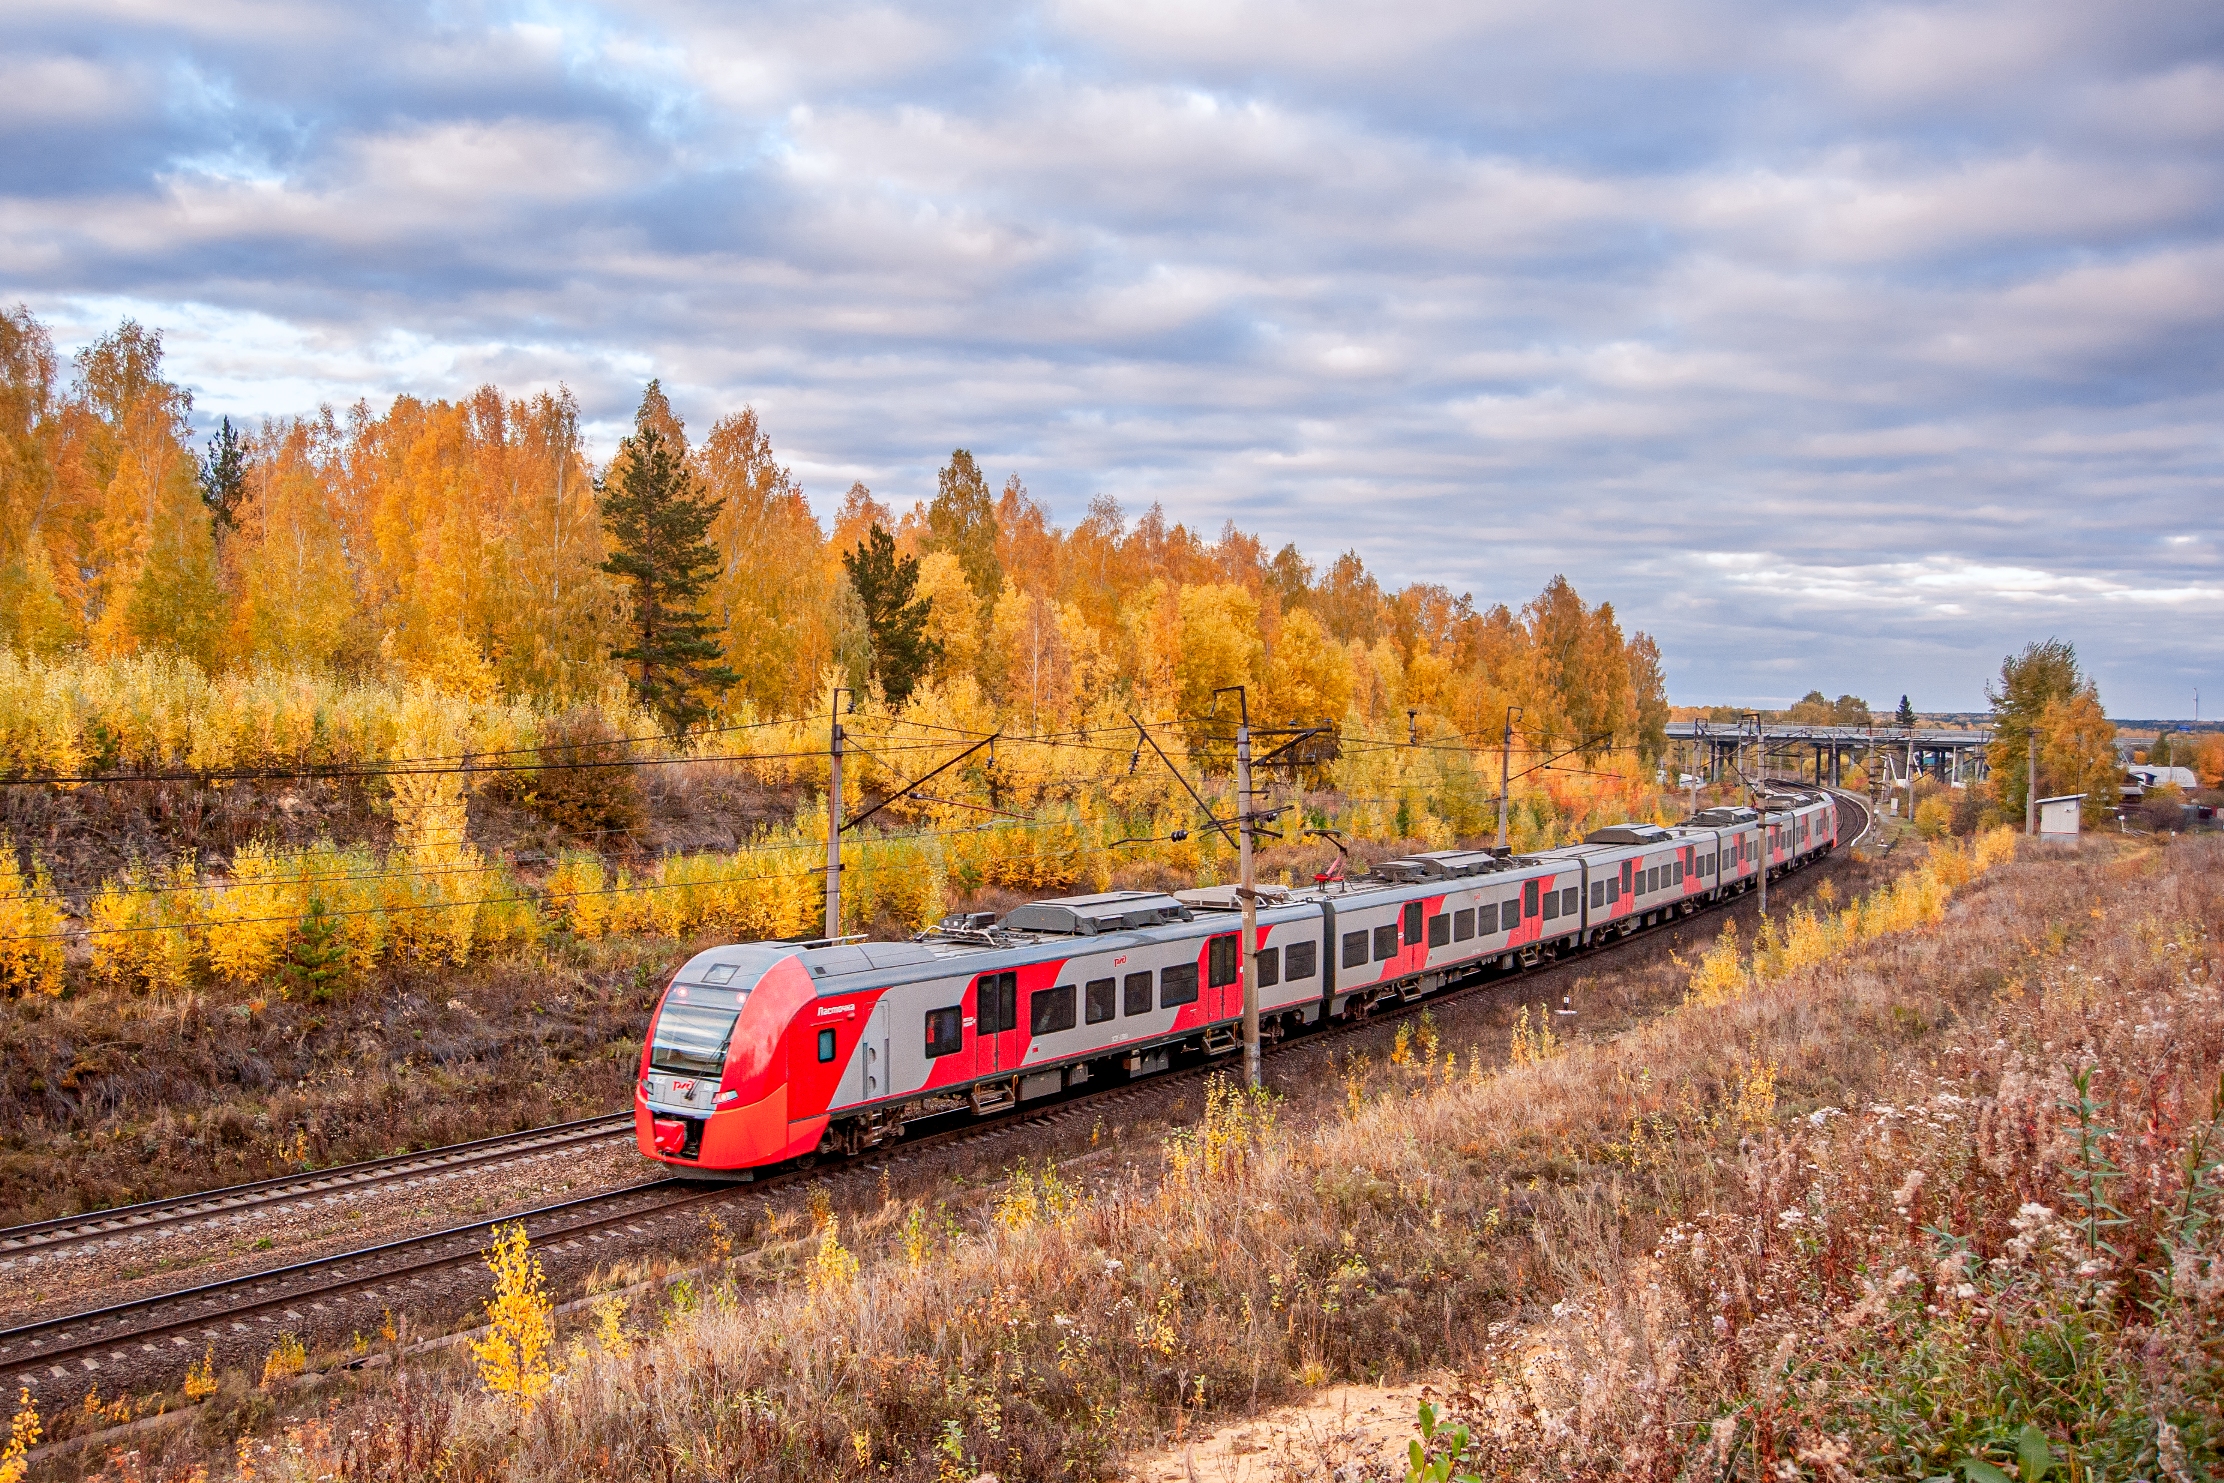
(945,1031)
(1440,930)
(1386,941)
(826,1045)
(1463,924)
(1570,899)
(1679,872)
(1050,1010)
(1629,867)
(1551,905)
(1355,949)
(1097,999)
(1177,985)
(1598,894)
(1413,910)
(1220,961)
(1509,914)
(1652,880)
(1613,890)
(1528,898)
(1297,961)
(1267,963)
(1138,994)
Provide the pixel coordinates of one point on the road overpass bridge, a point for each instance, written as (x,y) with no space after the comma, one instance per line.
(1722,750)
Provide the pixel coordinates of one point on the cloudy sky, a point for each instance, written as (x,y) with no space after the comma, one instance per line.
(1844,345)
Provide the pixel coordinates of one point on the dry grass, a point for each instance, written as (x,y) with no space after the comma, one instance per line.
(2010,1249)
(1599,1240)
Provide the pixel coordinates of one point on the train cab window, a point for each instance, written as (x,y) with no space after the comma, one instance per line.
(1570,899)
(1097,999)
(826,1045)
(1266,963)
(1551,905)
(1413,910)
(1297,960)
(945,1031)
(998,1000)
(1355,949)
(1463,924)
(1386,941)
(1220,961)
(1528,898)
(1509,914)
(1177,985)
(1050,1010)
(692,1030)
(1137,994)
(1440,930)
(1598,894)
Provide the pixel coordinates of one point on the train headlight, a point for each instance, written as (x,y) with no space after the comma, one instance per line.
(725,1097)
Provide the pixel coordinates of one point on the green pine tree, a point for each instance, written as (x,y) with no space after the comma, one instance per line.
(657,519)
(317,964)
(1906,716)
(224,476)
(897,624)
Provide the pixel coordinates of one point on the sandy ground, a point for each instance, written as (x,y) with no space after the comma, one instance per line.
(1345,1433)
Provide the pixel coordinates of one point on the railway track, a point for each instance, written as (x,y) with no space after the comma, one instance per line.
(355,1288)
(26,1244)
(349,1289)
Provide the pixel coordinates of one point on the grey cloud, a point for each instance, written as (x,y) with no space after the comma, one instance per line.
(1847,348)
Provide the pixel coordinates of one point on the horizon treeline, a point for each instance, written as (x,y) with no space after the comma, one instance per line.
(463,542)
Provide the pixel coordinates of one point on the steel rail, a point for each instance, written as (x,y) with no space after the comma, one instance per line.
(124,1221)
(57,1342)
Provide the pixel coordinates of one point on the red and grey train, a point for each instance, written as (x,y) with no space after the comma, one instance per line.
(763,1052)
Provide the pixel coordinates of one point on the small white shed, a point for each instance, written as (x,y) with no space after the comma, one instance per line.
(2058,817)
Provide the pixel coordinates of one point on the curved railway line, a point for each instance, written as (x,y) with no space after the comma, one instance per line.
(348,1289)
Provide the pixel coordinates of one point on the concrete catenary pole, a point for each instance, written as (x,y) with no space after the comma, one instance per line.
(834,824)
(1250,898)
(1505,770)
(2031,783)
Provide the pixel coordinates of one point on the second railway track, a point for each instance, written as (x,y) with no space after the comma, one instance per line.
(25,1244)
(175,1326)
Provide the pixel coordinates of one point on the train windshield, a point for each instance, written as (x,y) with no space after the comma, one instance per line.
(692,1030)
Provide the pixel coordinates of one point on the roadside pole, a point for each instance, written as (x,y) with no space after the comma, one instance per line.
(2031,785)
(834,824)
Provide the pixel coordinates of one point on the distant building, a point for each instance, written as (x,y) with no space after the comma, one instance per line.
(2150,775)
(2058,817)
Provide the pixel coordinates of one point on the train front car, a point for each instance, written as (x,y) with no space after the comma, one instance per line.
(713,1088)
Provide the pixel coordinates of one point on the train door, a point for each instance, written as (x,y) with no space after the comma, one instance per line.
(1223,993)
(866,1075)
(875,1051)
(995,1010)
